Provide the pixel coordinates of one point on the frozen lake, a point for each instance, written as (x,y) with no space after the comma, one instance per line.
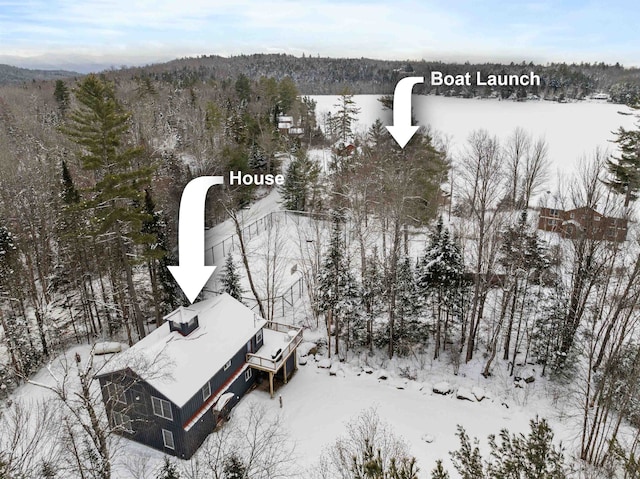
(572,130)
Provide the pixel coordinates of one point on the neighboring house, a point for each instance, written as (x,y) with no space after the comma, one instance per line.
(172,388)
(582,221)
(286,126)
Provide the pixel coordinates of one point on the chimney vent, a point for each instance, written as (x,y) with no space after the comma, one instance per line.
(182,320)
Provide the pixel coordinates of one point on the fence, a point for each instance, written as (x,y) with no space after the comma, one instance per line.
(278,304)
(221,249)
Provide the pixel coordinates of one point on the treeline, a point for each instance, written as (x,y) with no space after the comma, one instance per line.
(14,75)
(321,75)
(314,75)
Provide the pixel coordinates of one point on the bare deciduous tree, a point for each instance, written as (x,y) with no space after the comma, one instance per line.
(29,443)
(258,445)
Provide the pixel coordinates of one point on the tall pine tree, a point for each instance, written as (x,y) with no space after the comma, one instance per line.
(99,126)
(625,169)
(440,280)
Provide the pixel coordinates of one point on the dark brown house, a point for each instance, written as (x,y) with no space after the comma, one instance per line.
(582,221)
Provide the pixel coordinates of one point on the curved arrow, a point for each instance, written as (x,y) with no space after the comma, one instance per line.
(402,130)
(192,274)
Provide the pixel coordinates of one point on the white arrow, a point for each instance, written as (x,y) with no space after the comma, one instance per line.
(402,130)
(192,274)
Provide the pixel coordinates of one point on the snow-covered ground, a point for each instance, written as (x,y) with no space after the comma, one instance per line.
(317,406)
(572,130)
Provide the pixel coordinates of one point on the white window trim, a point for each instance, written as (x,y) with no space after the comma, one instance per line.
(259,336)
(166,433)
(206,391)
(162,404)
(247,374)
(115,393)
(228,365)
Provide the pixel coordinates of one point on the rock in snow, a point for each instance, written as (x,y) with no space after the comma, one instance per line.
(442,387)
(306,348)
(368,370)
(335,367)
(478,393)
(465,395)
(302,360)
(382,374)
(324,363)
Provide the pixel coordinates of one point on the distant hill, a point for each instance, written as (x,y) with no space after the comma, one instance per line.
(13,75)
(317,75)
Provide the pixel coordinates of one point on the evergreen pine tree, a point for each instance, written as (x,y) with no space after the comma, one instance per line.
(440,280)
(98,126)
(168,470)
(409,329)
(69,193)
(61,95)
(299,189)
(530,457)
(343,119)
(158,259)
(7,253)
(230,279)
(439,472)
(467,460)
(234,468)
(339,295)
(625,170)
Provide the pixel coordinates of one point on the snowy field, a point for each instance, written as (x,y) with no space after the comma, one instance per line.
(317,407)
(572,130)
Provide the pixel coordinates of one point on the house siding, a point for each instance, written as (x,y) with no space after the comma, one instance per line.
(206,424)
(194,404)
(147,427)
(583,222)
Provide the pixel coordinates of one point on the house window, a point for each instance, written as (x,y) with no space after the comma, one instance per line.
(247,375)
(228,365)
(121,420)
(596,218)
(206,391)
(167,439)
(115,393)
(554,212)
(162,408)
(259,336)
(572,215)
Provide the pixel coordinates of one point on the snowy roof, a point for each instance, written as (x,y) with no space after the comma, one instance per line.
(179,366)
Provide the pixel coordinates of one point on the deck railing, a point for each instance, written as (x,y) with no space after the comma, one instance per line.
(273,365)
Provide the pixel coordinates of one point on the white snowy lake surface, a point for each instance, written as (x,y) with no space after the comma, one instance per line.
(572,130)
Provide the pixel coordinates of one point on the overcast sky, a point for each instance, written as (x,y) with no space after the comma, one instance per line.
(79,34)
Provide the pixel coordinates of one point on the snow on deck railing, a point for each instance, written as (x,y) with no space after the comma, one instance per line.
(271,364)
